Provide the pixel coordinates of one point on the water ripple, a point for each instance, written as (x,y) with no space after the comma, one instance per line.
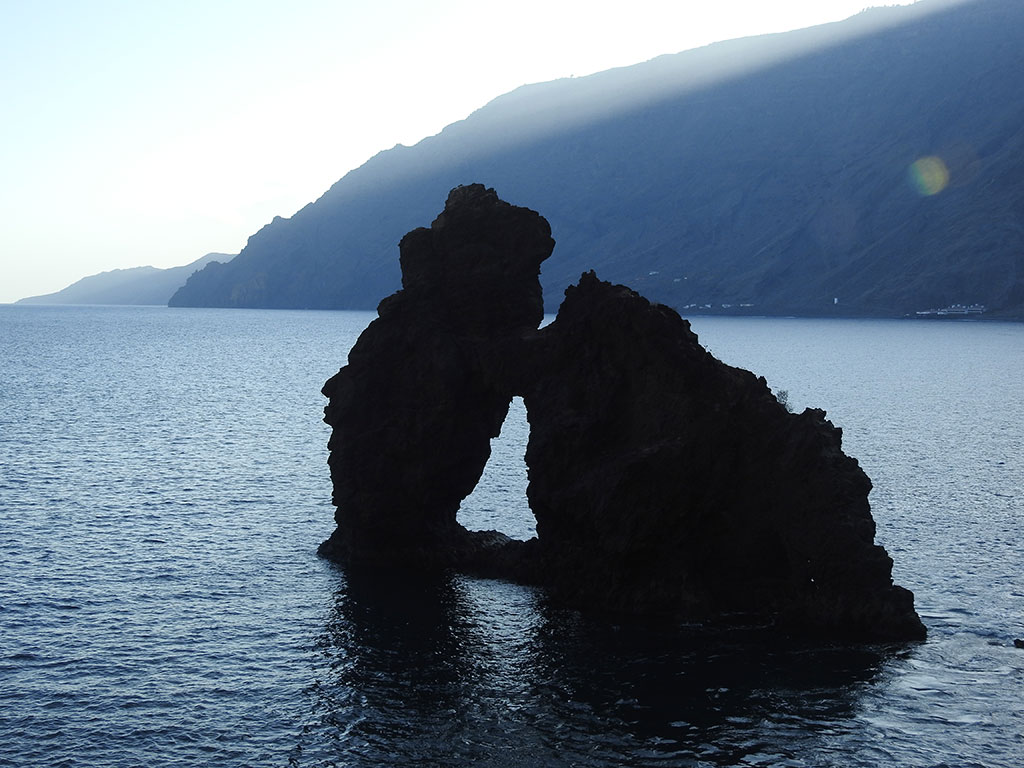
(164,488)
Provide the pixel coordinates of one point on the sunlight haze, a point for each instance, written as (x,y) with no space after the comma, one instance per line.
(150,134)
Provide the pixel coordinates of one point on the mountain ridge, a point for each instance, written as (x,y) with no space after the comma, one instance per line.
(785,189)
(141,286)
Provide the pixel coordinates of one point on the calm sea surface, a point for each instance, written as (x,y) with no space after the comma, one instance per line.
(163,489)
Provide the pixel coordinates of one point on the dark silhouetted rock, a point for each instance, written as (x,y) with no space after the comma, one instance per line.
(426,386)
(663,481)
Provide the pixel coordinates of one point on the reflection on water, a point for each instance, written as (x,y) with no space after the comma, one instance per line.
(461,671)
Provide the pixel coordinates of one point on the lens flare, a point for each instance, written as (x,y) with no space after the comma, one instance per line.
(929,175)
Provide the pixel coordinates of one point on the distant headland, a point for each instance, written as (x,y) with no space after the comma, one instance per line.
(135,286)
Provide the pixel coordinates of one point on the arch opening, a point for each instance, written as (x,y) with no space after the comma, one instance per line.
(498,502)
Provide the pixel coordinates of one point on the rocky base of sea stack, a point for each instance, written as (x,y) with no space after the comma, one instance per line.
(663,481)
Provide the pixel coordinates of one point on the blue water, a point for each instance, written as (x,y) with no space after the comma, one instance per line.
(163,488)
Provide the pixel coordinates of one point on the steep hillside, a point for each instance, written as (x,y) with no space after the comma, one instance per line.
(773,175)
(138,285)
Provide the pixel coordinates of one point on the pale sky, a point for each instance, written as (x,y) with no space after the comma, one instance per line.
(150,133)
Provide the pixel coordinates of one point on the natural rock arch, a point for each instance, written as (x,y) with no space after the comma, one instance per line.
(662,480)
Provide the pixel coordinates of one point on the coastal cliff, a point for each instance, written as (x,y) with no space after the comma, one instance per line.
(871,167)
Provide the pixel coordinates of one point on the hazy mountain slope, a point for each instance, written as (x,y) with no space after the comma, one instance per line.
(138,285)
(699,181)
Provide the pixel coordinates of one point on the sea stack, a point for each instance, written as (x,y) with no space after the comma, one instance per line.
(663,481)
(429,382)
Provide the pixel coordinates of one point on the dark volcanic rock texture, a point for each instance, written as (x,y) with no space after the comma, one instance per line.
(663,481)
(427,384)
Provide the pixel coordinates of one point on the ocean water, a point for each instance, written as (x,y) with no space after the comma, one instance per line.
(163,489)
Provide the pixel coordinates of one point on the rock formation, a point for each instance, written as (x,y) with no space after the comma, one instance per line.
(428,383)
(663,481)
